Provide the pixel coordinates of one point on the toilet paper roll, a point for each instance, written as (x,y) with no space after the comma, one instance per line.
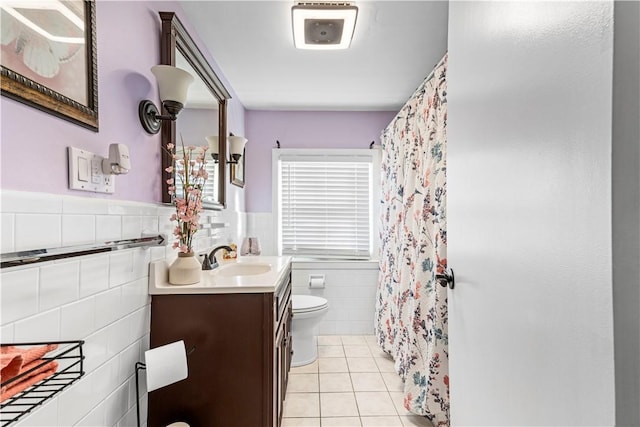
(316,280)
(166,365)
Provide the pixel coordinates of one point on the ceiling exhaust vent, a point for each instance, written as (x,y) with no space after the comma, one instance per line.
(323,25)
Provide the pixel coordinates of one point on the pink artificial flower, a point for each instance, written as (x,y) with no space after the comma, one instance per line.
(190,169)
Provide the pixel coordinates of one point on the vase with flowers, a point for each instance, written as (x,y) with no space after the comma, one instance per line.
(185,188)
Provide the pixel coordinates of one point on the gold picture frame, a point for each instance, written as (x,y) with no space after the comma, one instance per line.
(51,63)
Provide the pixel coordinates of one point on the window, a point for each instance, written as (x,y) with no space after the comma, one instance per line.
(325,202)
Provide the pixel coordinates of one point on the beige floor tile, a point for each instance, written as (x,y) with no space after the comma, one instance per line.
(362,364)
(371,339)
(341,422)
(332,364)
(367,381)
(385,364)
(353,340)
(299,383)
(357,351)
(376,351)
(330,351)
(301,422)
(339,382)
(372,403)
(398,401)
(381,421)
(303,405)
(393,381)
(329,340)
(338,405)
(305,369)
(415,421)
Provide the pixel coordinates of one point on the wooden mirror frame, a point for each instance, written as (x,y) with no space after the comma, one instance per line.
(175,37)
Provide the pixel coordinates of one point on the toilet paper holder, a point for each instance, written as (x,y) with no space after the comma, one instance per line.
(178,348)
(316,281)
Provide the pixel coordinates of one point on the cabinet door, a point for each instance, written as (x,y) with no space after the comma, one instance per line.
(280,348)
(288,350)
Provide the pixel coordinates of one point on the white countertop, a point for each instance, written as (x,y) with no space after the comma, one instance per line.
(214,283)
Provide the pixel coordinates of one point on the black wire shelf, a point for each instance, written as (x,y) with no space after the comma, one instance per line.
(70,360)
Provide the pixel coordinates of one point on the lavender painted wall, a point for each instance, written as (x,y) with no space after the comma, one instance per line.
(33,143)
(301,129)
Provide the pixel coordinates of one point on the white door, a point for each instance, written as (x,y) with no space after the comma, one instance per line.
(529,202)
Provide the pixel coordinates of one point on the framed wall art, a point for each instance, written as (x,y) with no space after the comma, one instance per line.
(48,58)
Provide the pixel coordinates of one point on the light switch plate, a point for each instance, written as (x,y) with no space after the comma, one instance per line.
(85,172)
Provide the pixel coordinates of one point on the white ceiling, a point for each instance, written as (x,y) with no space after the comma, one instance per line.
(395,46)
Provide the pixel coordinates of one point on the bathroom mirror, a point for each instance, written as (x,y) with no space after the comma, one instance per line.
(204,114)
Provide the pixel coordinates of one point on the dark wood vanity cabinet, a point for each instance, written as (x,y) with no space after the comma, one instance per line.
(283,347)
(239,355)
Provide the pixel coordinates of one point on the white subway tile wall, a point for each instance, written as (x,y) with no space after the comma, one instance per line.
(78,229)
(6,233)
(350,289)
(263,226)
(102,299)
(37,231)
(41,327)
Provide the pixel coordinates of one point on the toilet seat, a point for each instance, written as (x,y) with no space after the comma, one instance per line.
(308,304)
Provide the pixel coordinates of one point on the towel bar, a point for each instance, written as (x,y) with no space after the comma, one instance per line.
(41,255)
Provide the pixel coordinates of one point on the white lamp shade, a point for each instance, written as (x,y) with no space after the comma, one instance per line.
(173,82)
(214,148)
(236,144)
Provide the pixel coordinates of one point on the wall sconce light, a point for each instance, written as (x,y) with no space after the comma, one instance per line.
(236,147)
(173,85)
(327,25)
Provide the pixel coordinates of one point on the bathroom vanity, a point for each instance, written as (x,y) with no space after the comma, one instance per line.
(236,327)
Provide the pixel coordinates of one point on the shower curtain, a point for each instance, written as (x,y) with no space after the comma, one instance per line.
(411,308)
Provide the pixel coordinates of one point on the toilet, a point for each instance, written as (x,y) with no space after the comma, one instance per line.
(308,310)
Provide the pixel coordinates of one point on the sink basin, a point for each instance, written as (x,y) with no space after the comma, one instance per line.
(242,269)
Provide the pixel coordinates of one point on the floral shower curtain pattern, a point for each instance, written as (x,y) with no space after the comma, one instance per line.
(411,308)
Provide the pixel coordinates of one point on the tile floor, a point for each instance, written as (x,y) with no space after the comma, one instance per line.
(352,383)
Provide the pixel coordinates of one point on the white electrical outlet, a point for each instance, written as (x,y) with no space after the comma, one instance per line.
(85,172)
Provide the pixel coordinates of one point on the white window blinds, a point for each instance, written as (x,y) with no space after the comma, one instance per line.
(325,205)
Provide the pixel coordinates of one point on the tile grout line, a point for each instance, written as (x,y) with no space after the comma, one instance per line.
(352,386)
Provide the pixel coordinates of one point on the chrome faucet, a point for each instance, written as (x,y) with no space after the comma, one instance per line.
(210,261)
